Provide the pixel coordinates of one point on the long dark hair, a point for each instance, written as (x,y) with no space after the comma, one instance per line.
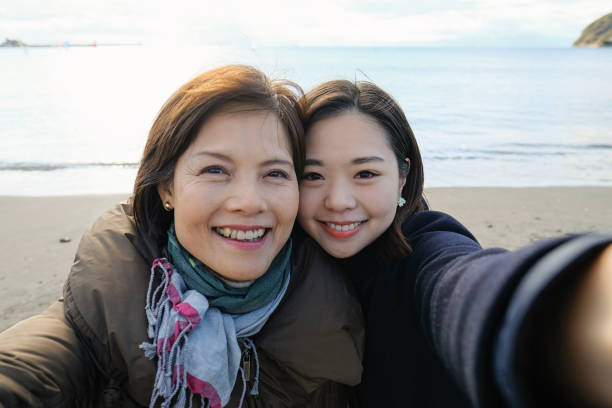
(336,97)
(182,116)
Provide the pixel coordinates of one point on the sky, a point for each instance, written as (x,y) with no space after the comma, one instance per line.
(265,23)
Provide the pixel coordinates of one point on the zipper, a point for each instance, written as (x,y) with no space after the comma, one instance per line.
(246,364)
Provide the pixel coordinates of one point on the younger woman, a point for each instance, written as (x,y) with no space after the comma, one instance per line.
(447,323)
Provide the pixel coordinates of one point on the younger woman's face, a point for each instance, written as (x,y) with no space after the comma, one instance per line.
(351,184)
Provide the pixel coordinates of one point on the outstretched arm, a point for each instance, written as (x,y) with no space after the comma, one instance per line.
(535,317)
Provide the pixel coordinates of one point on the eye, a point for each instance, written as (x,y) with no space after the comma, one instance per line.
(365,174)
(312,176)
(278,174)
(213,170)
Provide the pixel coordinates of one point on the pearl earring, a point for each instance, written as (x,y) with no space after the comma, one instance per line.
(401,202)
(168,206)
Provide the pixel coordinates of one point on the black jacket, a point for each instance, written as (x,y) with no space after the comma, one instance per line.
(433,319)
(84,351)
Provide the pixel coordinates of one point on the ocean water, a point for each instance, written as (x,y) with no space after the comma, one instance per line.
(74,120)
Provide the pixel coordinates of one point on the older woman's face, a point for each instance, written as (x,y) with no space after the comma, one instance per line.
(235,193)
(351,184)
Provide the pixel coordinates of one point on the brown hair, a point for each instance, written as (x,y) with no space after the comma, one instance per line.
(334,98)
(181,118)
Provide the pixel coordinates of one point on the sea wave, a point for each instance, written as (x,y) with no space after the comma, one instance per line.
(40,166)
(591,146)
(526,150)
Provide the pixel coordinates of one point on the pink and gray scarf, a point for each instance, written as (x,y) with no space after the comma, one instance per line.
(196,344)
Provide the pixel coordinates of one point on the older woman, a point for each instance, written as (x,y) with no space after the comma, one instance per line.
(192,292)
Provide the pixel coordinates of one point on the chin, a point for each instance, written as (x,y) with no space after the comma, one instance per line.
(240,273)
(340,253)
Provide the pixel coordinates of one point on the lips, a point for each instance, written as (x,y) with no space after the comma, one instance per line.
(243,237)
(343,226)
(341,229)
(251,234)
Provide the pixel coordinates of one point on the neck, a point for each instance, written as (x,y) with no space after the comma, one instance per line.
(235,284)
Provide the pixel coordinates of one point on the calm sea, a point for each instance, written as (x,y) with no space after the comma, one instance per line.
(74,120)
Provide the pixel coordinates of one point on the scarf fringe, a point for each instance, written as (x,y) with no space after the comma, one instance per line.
(171,384)
(158,305)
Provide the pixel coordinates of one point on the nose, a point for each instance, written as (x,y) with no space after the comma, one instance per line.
(247,196)
(340,197)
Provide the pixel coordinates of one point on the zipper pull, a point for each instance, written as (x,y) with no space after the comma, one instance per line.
(246,365)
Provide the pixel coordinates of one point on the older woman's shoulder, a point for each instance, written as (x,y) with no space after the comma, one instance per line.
(105,294)
(112,261)
(317,333)
(112,230)
(111,253)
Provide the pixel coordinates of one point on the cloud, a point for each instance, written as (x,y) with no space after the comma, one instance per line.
(540,15)
(313,22)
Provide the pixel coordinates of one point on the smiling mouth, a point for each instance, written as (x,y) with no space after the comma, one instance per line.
(342,230)
(252,235)
(343,227)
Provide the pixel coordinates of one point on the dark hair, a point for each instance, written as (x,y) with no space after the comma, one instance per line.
(182,116)
(334,98)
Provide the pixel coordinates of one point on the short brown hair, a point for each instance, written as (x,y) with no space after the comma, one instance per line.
(336,97)
(181,118)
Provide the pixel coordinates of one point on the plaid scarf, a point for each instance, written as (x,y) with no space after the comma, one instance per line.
(196,344)
(199,277)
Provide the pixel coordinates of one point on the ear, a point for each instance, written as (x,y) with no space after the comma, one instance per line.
(164,190)
(402,180)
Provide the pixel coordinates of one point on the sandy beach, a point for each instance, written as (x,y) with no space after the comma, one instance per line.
(36,261)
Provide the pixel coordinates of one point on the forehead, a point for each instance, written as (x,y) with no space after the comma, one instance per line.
(237,130)
(348,135)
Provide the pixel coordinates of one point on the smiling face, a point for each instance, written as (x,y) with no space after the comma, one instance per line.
(351,184)
(235,193)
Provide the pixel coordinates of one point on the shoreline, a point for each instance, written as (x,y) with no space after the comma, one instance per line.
(37,263)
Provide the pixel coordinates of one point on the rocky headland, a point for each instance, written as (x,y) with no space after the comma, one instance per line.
(597,34)
(18,43)
(12,43)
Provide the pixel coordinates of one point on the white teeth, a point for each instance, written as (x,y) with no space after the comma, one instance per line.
(241,235)
(346,227)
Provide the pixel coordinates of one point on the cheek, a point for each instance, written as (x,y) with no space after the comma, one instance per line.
(194,208)
(309,202)
(286,206)
(191,226)
(381,202)
(191,210)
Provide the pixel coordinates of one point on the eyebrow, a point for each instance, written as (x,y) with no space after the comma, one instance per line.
(359,160)
(221,156)
(278,162)
(212,154)
(362,160)
(313,162)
